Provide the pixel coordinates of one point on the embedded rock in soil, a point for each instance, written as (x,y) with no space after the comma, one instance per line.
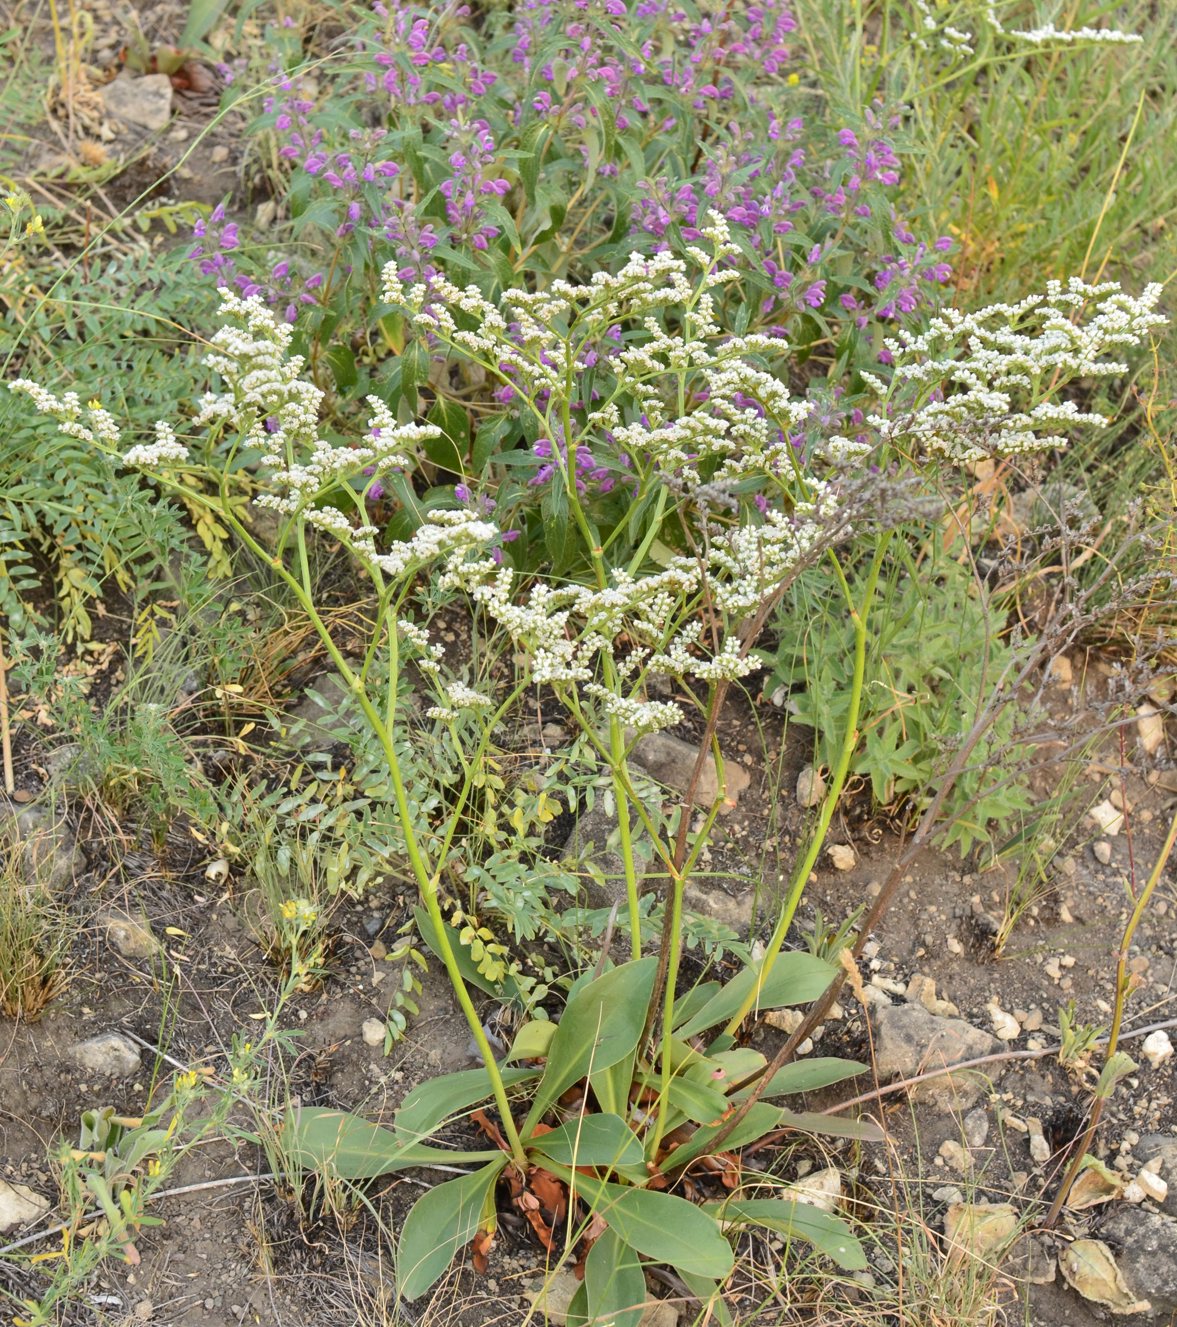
(910,1040)
(131,936)
(19,1206)
(143,101)
(661,1314)
(811,787)
(325,711)
(551,1298)
(672,762)
(108,1053)
(1145,1245)
(1162,1147)
(51,856)
(593,842)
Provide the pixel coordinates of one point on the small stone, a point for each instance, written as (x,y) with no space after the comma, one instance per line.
(145,101)
(108,1053)
(954,946)
(1053,969)
(954,1155)
(1153,1186)
(842,856)
(1039,1147)
(822,1189)
(1005,1026)
(552,1297)
(1101,850)
(1108,817)
(1061,671)
(1150,729)
(373,1031)
(976,1128)
(948,1193)
(144,1310)
(922,990)
(19,1206)
(811,787)
(1033,1021)
(660,1314)
(219,154)
(1157,1048)
(1064,915)
(671,761)
(131,936)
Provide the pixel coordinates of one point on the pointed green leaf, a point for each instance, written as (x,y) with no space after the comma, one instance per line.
(614,1283)
(658,1225)
(707,1292)
(832,1126)
(591,1140)
(809,1075)
(337,1143)
(827,1233)
(533,1040)
(435,1100)
(442,1222)
(700,1102)
(795,978)
(601,1024)
(760,1119)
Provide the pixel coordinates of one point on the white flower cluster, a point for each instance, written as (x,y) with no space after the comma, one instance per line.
(458,697)
(685,402)
(960,42)
(980,361)
(67,410)
(642,716)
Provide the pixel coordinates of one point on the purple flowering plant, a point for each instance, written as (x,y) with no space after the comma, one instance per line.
(549,140)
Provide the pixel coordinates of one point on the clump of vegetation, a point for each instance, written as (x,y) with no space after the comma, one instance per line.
(654,350)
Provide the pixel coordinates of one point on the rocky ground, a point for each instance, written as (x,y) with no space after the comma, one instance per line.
(166,969)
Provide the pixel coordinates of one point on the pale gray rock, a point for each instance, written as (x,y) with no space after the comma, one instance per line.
(109,1053)
(1145,1247)
(909,1040)
(50,856)
(19,1206)
(1164,1146)
(131,936)
(672,761)
(145,101)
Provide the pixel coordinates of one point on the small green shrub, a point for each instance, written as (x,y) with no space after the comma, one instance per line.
(935,653)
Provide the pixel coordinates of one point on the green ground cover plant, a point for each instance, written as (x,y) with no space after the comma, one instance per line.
(619,335)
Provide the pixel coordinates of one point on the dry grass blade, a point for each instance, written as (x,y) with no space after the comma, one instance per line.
(35,934)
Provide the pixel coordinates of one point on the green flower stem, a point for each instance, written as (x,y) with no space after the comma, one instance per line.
(859,615)
(673,942)
(427,881)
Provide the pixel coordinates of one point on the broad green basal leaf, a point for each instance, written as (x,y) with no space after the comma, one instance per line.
(827,1233)
(795,978)
(601,1025)
(439,1099)
(590,1140)
(658,1225)
(614,1282)
(441,1223)
(337,1143)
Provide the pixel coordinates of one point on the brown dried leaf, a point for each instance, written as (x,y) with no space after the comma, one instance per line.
(1088,1266)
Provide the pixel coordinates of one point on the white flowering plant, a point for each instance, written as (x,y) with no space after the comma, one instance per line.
(676,486)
